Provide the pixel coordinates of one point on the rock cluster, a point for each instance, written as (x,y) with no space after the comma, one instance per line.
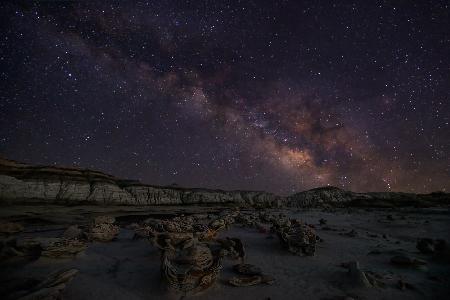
(73,241)
(35,247)
(190,250)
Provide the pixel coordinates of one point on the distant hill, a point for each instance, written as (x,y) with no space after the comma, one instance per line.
(333,196)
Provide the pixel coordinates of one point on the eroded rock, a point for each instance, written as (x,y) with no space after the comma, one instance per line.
(190,269)
(298,238)
(62,248)
(102,229)
(50,247)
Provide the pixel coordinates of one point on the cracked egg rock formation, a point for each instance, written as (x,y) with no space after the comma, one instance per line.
(190,270)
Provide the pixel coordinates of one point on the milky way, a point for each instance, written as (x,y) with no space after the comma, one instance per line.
(259,95)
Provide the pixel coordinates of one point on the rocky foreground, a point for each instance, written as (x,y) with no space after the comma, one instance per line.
(83,252)
(24,184)
(69,233)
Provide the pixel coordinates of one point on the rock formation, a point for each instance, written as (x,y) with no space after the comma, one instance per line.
(298,238)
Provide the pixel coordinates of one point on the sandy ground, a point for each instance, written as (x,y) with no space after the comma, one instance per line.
(130,269)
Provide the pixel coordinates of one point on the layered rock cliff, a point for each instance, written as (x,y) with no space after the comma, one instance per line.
(23,183)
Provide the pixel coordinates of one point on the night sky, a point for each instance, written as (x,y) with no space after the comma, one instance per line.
(259,95)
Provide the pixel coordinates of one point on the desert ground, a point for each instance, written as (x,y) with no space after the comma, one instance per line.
(130,268)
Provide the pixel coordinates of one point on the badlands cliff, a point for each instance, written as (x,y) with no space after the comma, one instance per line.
(23,184)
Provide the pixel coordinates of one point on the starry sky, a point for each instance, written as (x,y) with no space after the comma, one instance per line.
(280,96)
